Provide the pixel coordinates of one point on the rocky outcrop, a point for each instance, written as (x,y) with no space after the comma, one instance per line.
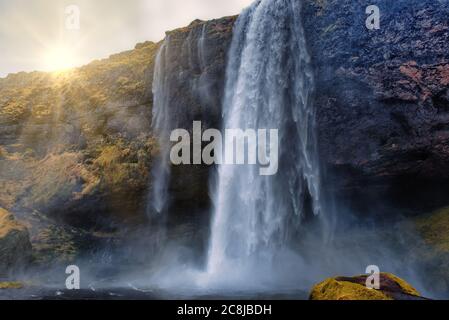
(76,146)
(383,99)
(15,246)
(354,288)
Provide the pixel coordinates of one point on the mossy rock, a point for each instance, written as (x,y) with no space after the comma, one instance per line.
(15,246)
(354,288)
(434,229)
(11,285)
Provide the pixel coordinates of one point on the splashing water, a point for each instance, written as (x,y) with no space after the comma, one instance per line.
(269,85)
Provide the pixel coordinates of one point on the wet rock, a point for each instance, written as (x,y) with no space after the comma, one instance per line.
(382,100)
(193,77)
(15,246)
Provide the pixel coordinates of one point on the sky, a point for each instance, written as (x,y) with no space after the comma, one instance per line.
(49,35)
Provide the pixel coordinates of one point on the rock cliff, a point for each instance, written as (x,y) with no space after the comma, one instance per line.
(76,148)
(382,98)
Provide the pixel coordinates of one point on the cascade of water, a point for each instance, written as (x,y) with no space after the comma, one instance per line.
(179,67)
(268,86)
(161,126)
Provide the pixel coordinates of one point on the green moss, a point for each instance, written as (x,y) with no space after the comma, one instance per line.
(434,229)
(109,156)
(354,289)
(332,289)
(11,285)
(52,245)
(8,224)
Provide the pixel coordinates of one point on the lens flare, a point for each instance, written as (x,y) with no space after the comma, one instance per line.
(59,58)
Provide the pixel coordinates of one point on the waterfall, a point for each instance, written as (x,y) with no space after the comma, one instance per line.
(180,75)
(269,83)
(161,124)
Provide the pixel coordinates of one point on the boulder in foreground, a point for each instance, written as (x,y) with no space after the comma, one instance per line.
(354,288)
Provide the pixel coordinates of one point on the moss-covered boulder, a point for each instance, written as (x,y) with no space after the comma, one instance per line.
(15,246)
(354,288)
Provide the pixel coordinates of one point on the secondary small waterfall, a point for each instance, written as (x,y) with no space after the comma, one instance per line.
(169,109)
(268,86)
(161,126)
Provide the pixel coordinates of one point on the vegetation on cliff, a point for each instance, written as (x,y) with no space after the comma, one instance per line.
(76,148)
(15,246)
(434,229)
(354,288)
(59,128)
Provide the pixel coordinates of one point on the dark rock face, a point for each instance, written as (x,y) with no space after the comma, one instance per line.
(195,66)
(382,98)
(193,71)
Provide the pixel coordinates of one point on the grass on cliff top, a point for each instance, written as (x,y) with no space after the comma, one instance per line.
(434,229)
(62,117)
(42,95)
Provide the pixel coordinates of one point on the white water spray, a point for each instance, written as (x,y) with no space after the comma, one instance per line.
(269,84)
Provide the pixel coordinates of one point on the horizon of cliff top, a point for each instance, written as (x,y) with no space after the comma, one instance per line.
(137,46)
(34,34)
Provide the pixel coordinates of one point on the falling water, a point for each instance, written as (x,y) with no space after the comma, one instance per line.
(161,125)
(269,85)
(171,76)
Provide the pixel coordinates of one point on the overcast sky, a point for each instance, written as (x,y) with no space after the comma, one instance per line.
(31,31)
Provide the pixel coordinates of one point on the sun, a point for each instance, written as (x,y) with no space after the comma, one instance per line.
(59,58)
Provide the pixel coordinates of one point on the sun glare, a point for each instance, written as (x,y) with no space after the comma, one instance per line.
(59,59)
